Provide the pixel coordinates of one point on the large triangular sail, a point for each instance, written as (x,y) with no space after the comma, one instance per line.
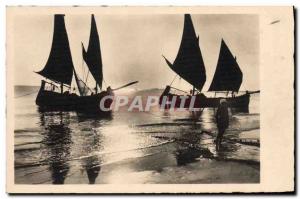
(92,56)
(59,66)
(228,75)
(189,62)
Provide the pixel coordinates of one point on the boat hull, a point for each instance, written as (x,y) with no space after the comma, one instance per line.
(240,103)
(53,101)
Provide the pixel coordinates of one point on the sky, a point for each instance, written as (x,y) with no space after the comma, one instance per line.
(132,46)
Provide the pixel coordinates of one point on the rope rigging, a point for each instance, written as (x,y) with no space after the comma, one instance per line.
(173,80)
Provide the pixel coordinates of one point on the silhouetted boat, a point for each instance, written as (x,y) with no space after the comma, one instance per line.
(189,65)
(59,69)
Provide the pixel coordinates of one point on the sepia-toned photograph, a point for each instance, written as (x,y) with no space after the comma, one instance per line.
(110,96)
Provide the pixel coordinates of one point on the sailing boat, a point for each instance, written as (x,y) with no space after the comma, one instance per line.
(189,65)
(59,69)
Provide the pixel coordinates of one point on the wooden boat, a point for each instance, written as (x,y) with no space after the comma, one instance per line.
(189,65)
(239,103)
(59,69)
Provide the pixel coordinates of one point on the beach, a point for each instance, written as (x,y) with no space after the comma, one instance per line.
(155,147)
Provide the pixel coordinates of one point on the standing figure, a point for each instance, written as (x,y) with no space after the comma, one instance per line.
(222,119)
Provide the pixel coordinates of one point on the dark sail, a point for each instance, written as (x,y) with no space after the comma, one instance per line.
(228,75)
(92,56)
(59,66)
(189,63)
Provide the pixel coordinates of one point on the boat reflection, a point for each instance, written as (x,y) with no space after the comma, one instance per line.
(92,167)
(57,139)
(94,116)
(91,141)
(70,139)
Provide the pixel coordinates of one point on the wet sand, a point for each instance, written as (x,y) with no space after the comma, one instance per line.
(177,161)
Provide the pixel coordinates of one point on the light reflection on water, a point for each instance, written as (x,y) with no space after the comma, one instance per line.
(66,147)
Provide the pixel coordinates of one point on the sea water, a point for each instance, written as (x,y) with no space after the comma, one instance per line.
(132,147)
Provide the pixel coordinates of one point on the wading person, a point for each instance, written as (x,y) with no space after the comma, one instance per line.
(222,119)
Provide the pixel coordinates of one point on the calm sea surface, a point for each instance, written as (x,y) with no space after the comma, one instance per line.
(132,147)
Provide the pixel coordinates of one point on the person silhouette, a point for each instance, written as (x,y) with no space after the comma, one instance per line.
(222,119)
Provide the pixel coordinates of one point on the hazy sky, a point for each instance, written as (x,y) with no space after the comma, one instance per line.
(132,46)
